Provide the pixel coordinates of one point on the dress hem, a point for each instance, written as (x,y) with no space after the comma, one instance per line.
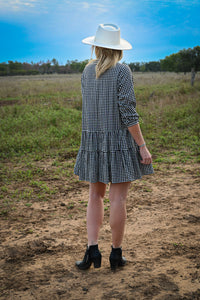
(113,181)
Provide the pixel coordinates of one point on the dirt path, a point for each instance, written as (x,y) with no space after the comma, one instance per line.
(39,245)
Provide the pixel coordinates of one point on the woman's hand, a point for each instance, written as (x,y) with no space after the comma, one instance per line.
(136,133)
(146,156)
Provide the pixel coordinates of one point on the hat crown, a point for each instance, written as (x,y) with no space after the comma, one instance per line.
(108,34)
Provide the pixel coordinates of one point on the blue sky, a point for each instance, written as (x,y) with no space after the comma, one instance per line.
(38,30)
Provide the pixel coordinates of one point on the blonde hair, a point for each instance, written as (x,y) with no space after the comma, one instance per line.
(107,59)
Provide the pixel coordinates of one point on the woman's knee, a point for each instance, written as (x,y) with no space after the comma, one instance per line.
(97,190)
(118,192)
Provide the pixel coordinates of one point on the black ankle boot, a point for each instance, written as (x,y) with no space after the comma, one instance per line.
(116,259)
(92,255)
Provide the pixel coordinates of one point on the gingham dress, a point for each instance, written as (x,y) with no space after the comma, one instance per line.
(108,152)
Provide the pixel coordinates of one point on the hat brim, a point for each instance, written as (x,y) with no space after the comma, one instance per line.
(124,45)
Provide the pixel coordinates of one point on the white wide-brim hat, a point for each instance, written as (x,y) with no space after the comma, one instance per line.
(108,36)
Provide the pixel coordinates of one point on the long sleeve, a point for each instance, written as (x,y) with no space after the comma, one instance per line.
(126,97)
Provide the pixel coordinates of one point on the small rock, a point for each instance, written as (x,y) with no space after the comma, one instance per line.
(85,290)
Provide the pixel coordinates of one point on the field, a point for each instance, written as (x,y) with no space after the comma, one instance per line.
(43,204)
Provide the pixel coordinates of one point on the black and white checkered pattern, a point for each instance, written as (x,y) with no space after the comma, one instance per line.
(108,152)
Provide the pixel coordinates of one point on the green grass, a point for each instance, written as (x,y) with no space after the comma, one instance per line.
(40,135)
(169,120)
(171,125)
(39,129)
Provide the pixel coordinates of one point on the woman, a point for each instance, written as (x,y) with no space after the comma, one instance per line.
(112,148)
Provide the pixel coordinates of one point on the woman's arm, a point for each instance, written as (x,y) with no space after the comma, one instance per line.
(136,133)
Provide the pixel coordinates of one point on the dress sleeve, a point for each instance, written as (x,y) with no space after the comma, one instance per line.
(82,81)
(126,97)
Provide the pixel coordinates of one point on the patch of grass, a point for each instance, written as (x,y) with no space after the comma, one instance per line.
(4,212)
(70,205)
(26,194)
(178,245)
(42,186)
(106,200)
(146,189)
(38,129)
(20,174)
(4,189)
(173,126)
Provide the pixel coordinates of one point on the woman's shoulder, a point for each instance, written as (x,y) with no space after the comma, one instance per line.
(124,71)
(123,68)
(90,65)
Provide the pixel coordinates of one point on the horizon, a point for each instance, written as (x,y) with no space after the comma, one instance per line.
(50,60)
(36,30)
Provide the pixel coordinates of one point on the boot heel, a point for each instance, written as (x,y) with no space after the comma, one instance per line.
(116,259)
(97,262)
(113,264)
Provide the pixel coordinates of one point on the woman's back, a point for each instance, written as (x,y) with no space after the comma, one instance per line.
(102,98)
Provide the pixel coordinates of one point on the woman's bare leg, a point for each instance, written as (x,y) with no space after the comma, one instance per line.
(118,194)
(95,211)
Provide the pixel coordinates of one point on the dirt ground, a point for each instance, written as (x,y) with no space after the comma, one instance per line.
(40,244)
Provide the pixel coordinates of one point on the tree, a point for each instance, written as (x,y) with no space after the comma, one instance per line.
(3,69)
(55,65)
(196,54)
(135,67)
(183,61)
(153,66)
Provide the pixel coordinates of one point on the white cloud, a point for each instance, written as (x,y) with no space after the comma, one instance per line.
(38,6)
(16,5)
(101,8)
(86,5)
(90,5)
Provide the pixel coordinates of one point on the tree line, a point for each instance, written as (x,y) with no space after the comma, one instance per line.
(185,60)
(49,67)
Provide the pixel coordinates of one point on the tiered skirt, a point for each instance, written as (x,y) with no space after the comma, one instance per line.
(109,157)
